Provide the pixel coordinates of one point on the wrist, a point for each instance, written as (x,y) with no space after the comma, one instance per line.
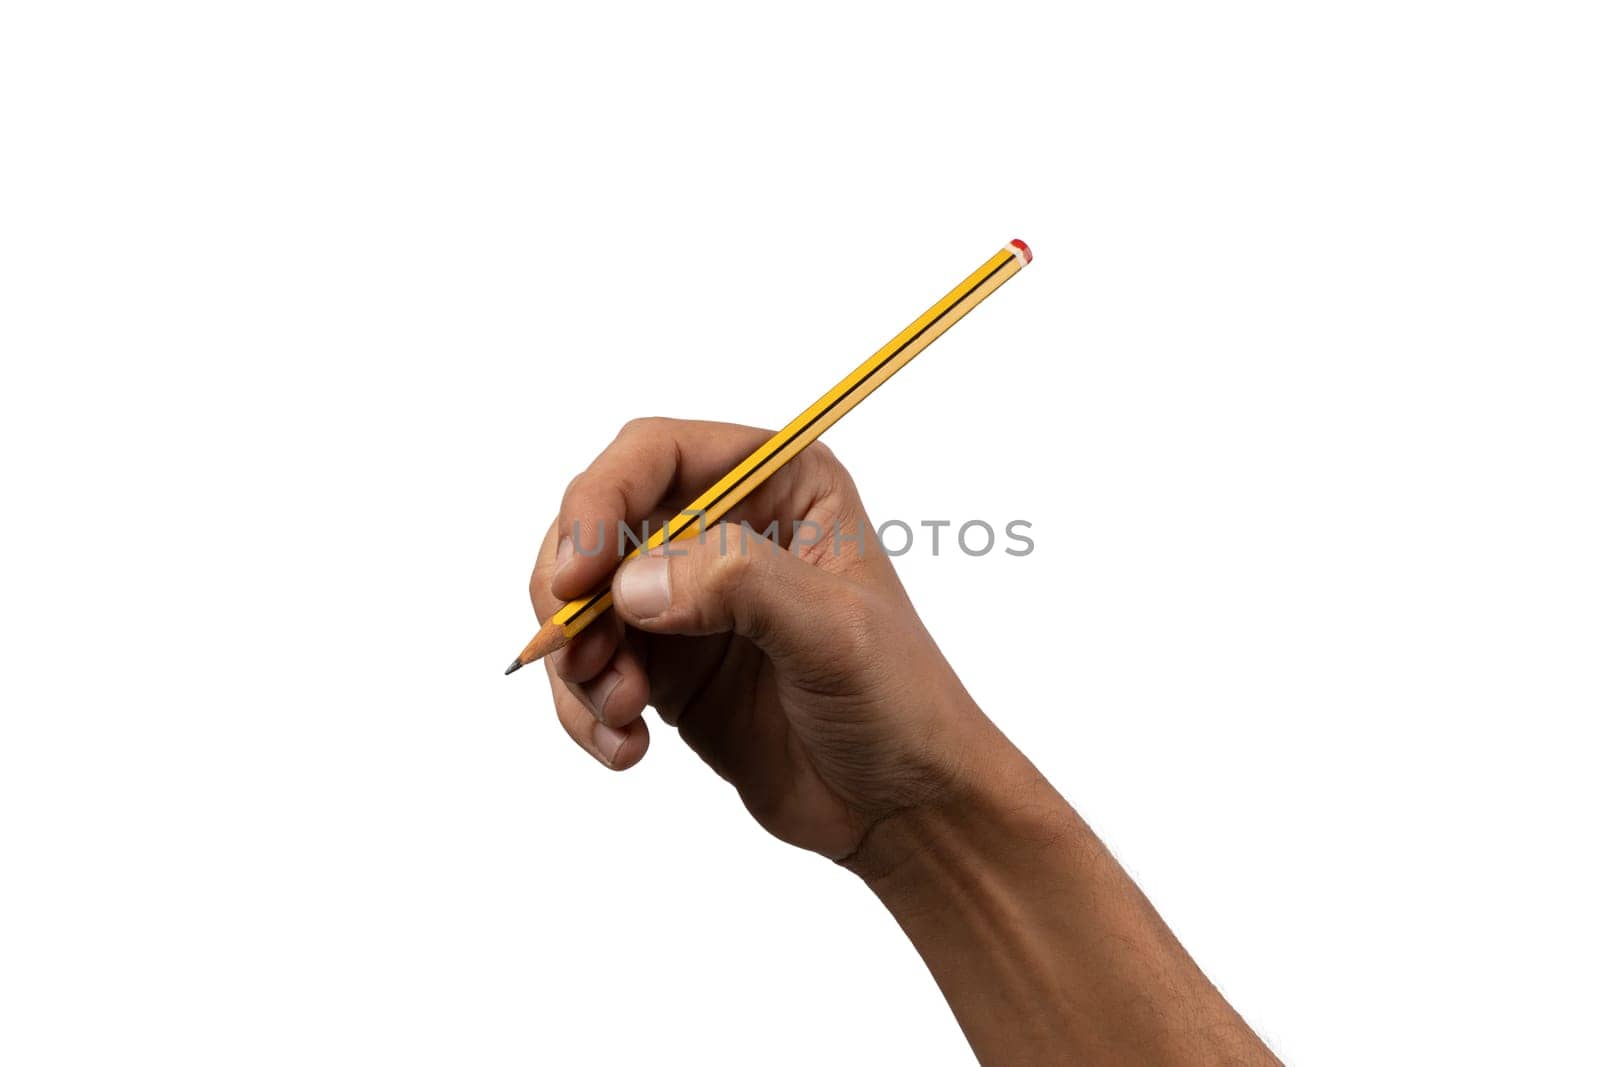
(991,803)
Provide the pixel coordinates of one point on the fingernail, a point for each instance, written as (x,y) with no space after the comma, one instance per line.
(563,556)
(607,741)
(597,692)
(644,586)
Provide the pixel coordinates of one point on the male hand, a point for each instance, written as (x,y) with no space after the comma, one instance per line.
(796,667)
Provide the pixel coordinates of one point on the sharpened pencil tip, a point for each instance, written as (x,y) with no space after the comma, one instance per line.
(516,665)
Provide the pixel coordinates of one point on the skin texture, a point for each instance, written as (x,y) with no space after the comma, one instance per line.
(802,675)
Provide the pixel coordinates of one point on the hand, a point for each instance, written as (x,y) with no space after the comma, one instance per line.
(796,666)
(798,670)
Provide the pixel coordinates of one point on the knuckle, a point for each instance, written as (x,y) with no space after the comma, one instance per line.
(645,425)
(574,492)
(828,461)
(595,498)
(725,572)
(828,471)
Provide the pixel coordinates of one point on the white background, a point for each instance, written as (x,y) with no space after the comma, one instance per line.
(310,310)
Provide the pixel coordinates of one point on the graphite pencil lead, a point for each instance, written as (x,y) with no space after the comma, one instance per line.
(516,665)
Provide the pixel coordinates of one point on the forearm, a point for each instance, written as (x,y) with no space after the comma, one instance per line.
(1045,949)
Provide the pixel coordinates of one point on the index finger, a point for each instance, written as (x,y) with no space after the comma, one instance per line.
(651,461)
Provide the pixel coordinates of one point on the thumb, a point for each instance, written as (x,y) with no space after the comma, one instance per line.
(731,579)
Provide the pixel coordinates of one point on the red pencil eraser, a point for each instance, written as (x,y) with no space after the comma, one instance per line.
(1027,253)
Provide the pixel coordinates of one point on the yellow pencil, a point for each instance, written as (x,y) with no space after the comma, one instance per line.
(788,442)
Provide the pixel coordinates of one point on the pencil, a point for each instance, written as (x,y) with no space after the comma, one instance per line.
(788,442)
